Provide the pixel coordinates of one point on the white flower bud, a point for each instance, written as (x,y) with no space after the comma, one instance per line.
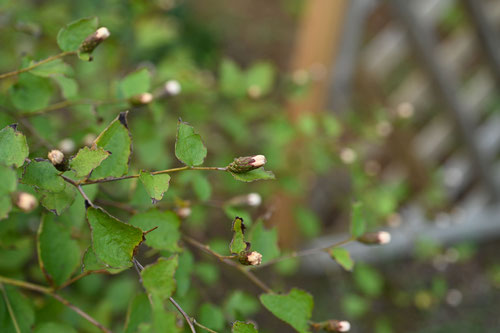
(375,238)
(383,237)
(254,258)
(258,161)
(344,326)
(348,156)
(26,202)
(102,33)
(145,98)
(184,212)
(67,146)
(173,87)
(254,199)
(55,157)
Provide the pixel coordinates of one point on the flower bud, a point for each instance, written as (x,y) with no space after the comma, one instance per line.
(254,199)
(375,238)
(337,326)
(67,146)
(141,99)
(247,163)
(173,87)
(253,258)
(55,156)
(25,201)
(184,212)
(91,42)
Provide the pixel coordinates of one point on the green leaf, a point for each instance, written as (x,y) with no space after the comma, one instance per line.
(5,206)
(135,83)
(183,273)
(9,180)
(21,307)
(253,175)
(241,327)
(201,186)
(358,222)
(212,317)
(51,327)
(294,308)
(166,236)
(13,147)
(342,257)
(87,159)
(232,79)
(309,224)
(54,68)
(44,176)
(261,75)
(68,86)
(158,278)
(241,305)
(368,280)
(92,263)
(238,243)
(139,312)
(189,147)
(31,92)
(72,35)
(57,202)
(115,139)
(265,241)
(156,185)
(113,241)
(58,253)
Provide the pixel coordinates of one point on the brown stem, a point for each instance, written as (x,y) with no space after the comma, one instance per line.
(79,276)
(41,62)
(203,326)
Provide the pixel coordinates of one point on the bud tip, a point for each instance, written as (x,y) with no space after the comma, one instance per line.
(344,326)
(254,258)
(26,202)
(102,33)
(173,87)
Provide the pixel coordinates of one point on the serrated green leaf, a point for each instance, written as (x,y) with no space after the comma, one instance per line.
(158,278)
(57,202)
(22,309)
(241,327)
(9,180)
(13,147)
(115,139)
(31,92)
(253,175)
(211,316)
(265,241)
(54,68)
(51,327)
(294,308)
(68,86)
(72,35)
(87,159)
(44,176)
(58,253)
(238,243)
(189,147)
(156,185)
(358,222)
(90,262)
(113,241)
(139,311)
(166,236)
(135,83)
(342,257)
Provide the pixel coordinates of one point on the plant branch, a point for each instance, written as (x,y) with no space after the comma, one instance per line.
(51,292)
(202,326)
(64,104)
(9,308)
(35,65)
(296,254)
(79,276)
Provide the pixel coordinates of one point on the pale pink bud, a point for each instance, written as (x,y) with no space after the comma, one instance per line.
(375,238)
(258,161)
(184,212)
(344,326)
(254,199)
(254,258)
(102,33)
(173,87)
(55,156)
(26,202)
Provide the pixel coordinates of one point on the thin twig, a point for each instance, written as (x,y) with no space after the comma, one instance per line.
(9,308)
(203,326)
(41,62)
(80,276)
(64,104)
(51,292)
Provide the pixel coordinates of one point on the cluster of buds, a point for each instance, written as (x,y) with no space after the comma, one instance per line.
(91,42)
(25,201)
(57,158)
(332,325)
(375,238)
(248,258)
(247,163)
(141,99)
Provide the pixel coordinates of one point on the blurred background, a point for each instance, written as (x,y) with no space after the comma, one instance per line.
(393,103)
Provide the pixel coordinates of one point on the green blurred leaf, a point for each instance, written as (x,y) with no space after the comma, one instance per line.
(72,35)
(87,159)
(183,273)
(257,174)
(189,147)
(51,327)
(342,257)
(115,139)
(5,206)
(355,306)
(232,79)
(139,311)
(166,236)
(112,240)
(92,263)
(57,202)
(201,186)
(238,243)
(212,317)
(135,83)
(208,273)
(9,180)
(21,308)
(294,308)
(13,147)
(158,278)
(43,175)
(31,92)
(156,185)
(260,75)
(240,305)
(368,280)
(68,86)
(54,68)
(241,327)
(308,222)
(265,241)
(358,222)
